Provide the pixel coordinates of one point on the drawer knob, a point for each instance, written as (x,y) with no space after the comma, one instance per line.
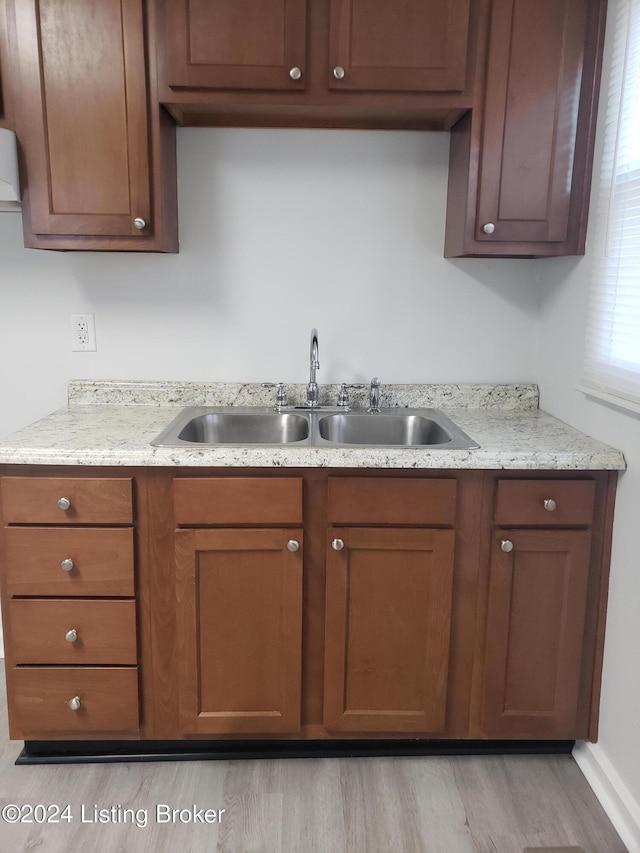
(64,504)
(74,703)
(293,545)
(488,228)
(549,504)
(71,636)
(66,565)
(295,73)
(337,544)
(139,223)
(506,545)
(338,72)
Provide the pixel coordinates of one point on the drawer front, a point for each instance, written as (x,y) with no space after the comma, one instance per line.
(545,503)
(377,500)
(39,701)
(34,500)
(72,631)
(238,500)
(102,561)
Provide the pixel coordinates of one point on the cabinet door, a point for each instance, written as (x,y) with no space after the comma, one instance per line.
(388,615)
(82,120)
(535,627)
(408,46)
(520,162)
(534,74)
(239,599)
(236,44)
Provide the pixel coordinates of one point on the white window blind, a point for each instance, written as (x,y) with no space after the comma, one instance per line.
(612,352)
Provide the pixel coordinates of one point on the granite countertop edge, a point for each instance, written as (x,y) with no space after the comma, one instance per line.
(103,431)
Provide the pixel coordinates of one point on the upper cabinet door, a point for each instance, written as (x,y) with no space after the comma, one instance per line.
(83,116)
(236,44)
(534,75)
(405,45)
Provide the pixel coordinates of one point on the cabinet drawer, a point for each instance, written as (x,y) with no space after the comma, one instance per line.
(238,500)
(102,561)
(39,701)
(34,500)
(545,503)
(40,631)
(377,500)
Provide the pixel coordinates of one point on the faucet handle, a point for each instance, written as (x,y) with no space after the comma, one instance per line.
(374,395)
(343,396)
(282,399)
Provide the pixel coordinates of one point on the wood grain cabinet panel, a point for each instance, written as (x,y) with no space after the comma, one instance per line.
(102,561)
(237,44)
(104,632)
(381,500)
(93,141)
(520,165)
(35,500)
(326,63)
(239,599)
(237,500)
(39,701)
(545,503)
(535,628)
(387,632)
(413,46)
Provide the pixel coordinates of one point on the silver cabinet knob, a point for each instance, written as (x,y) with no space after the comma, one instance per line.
(506,545)
(295,73)
(338,72)
(66,565)
(64,504)
(337,544)
(74,703)
(293,545)
(549,504)
(139,223)
(71,636)
(488,228)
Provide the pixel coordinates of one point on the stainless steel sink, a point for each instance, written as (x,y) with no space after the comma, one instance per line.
(394,428)
(382,429)
(211,426)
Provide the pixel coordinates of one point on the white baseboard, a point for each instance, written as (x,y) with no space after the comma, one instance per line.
(622,810)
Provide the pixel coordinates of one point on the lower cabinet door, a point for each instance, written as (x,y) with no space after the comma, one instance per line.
(535,628)
(388,622)
(239,598)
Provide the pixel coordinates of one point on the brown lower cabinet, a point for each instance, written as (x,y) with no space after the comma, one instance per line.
(388,623)
(306,604)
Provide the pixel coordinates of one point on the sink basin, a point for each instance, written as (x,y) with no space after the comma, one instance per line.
(208,426)
(244,426)
(382,429)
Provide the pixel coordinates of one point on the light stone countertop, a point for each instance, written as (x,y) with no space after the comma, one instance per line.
(112,424)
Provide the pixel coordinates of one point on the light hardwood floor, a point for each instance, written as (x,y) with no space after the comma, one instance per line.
(499,804)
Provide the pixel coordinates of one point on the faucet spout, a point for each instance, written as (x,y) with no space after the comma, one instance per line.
(314,364)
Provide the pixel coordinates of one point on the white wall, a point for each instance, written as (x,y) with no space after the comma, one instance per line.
(280,231)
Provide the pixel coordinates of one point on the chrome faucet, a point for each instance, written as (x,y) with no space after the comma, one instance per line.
(314,364)
(374,395)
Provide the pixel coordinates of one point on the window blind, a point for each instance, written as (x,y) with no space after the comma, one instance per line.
(612,348)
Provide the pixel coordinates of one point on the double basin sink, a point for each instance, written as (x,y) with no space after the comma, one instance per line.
(214,426)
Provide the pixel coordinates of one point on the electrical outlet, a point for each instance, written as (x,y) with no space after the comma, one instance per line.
(83,333)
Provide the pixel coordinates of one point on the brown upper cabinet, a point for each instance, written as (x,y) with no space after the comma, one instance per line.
(334,63)
(99,158)
(520,166)
(236,44)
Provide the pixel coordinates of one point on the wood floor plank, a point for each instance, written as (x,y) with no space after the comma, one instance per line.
(461,804)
